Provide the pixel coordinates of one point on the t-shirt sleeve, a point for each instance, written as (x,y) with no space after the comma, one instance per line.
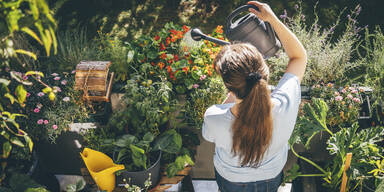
(287,94)
(207,130)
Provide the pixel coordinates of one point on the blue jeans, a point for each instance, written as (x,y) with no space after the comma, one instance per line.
(269,185)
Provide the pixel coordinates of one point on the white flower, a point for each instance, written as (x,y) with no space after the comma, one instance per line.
(66,99)
(54,74)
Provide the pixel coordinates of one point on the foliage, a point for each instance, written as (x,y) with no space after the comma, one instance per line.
(363,144)
(149,107)
(51,109)
(25,16)
(135,188)
(344,103)
(200,99)
(374,64)
(20,182)
(329,57)
(78,186)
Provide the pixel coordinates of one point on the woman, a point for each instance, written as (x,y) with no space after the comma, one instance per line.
(252,127)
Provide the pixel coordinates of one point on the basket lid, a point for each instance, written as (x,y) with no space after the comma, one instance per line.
(93,65)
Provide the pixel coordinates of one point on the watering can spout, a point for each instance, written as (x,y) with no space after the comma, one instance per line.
(197,35)
(101,168)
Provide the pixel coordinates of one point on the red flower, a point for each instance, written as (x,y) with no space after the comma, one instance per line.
(185,29)
(168,41)
(170,61)
(176,57)
(162,47)
(153,63)
(163,56)
(157,38)
(190,61)
(185,69)
(219,29)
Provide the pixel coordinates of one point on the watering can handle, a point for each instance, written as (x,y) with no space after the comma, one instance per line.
(236,12)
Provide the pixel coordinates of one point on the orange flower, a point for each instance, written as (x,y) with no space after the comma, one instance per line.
(163,56)
(173,38)
(157,38)
(194,68)
(219,29)
(190,61)
(169,69)
(153,63)
(168,41)
(161,65)
(209,72)
(162,47)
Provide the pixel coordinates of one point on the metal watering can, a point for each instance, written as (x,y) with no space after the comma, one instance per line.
(248,28)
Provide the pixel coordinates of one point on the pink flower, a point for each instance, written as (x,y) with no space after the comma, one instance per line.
(28,94)
(357,100)
(54,74)
(338,98)
(66,99)
(73,72)
(337,93)
(56,78)
(343,90)
(40,94)
(203,77)
(317,86)
(56,89)
(354,91)
(195,86)
(36,110)
(349,96)
(40,121)
(54,127)
(64,82)
(46,122)
(352,88)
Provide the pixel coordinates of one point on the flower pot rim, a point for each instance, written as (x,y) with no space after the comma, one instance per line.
(151,167)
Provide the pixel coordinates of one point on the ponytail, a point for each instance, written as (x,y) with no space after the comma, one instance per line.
(252,128)
(245,73)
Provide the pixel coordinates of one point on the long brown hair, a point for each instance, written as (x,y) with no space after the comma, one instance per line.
(245,74)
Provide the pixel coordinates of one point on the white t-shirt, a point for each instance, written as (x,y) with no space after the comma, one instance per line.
(218,119)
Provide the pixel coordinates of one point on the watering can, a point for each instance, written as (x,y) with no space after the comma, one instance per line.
(101,168)
(248,28)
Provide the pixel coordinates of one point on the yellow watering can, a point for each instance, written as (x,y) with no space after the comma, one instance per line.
(101,168)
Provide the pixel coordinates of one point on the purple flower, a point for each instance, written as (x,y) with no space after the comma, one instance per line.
(357,100)
(46,122)
(338,98)
(296,6)
(195,86)
(349,96)
(358,10)
(40,94)
(64,82)
(36,110)
(40,121)
(54,127)
(56,78)
(25,77)
(28,94)
(54,74)
(203,77)
(285,15)
(66,99)
(332,29)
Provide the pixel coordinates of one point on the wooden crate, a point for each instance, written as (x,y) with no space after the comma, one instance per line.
(92,75)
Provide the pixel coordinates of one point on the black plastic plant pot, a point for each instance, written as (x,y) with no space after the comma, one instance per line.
(102,117)
(139,177)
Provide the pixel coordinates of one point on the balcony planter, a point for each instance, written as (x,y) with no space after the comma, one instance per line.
(139,177)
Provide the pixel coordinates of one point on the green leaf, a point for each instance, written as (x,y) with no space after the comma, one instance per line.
(34,9)
(169,142)
(138,156)
(148,137)
(4,81)
(152,54)
(130,55)
(121,154)
(7,147)
(34,73)
(21,51)
(80,184)
(17,142)
(180,163)
(21,93)
(32,34)
(29,142)
(125,141)
(10,97)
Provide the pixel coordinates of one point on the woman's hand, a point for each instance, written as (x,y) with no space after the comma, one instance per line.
(265,12)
